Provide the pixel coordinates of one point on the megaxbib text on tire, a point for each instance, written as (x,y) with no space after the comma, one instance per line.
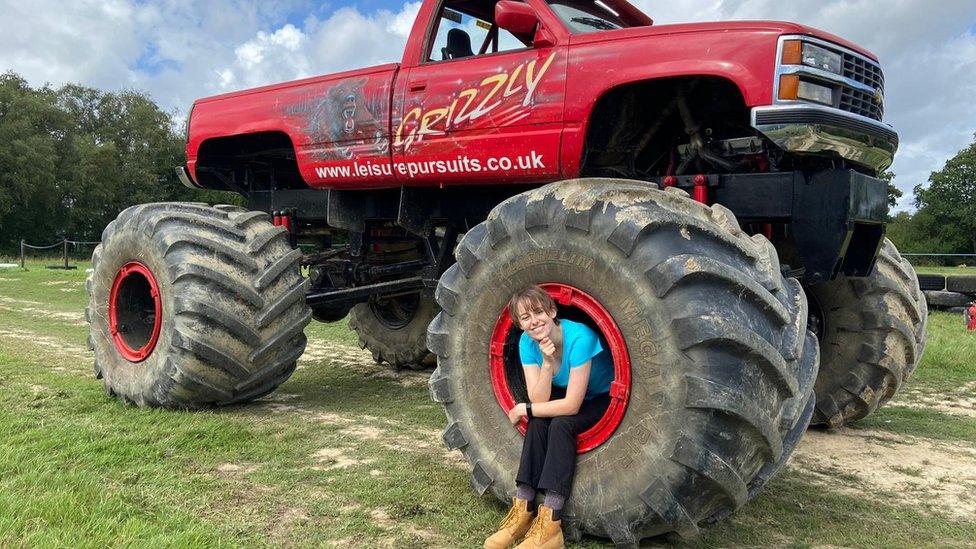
(872,335)
(722,366)
(192,306)
(394,329)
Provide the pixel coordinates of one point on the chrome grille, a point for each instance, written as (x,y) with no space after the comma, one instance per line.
(862,70)
(866,72)
(859,102)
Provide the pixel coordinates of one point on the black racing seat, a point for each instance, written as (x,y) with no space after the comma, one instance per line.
(458,45)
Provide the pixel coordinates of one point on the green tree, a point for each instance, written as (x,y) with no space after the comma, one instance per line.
(33,138)
(901,232)
(947,206)
(894,193)
(71,159)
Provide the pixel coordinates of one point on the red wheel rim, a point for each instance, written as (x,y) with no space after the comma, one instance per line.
(134,281)
(564,294)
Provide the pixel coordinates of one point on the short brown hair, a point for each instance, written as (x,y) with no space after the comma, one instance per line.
(533,296)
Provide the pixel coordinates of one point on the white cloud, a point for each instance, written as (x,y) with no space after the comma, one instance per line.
(346,39)
(83,41)
(179,50)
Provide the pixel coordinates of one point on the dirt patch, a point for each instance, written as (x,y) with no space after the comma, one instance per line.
(389,433)
(281,397)
(25,306)
(366,432)
(5,299)
(361,361)
(382,519)
(63,350)
(279,528)
(235,469)
(405,439)
(957,401)
(954,403)
(938,476)
(336,458)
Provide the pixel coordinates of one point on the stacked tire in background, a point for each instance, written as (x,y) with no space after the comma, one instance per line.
(951,293)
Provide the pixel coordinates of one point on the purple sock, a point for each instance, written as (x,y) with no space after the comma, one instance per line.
(526,493)
(555,502)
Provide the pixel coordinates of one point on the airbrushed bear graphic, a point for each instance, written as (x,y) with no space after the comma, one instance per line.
(345,117)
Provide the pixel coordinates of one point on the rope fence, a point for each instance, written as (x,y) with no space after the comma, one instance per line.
(63,244)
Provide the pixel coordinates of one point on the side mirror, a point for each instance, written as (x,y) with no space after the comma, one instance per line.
(516,17)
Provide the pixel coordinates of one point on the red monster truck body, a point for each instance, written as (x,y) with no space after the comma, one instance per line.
(507,117)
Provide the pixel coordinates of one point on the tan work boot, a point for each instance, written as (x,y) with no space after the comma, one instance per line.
(545,532)
(516,522)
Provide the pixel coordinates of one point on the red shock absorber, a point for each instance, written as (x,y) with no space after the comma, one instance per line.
(286,221)
(701,191)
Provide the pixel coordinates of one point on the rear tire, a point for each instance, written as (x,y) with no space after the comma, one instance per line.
(395,329)
(871,340)
(231,302)
(721,361)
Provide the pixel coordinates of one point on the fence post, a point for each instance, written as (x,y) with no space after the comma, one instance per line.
(66,254)
(21,253)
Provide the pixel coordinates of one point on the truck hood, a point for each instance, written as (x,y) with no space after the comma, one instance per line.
(777,27)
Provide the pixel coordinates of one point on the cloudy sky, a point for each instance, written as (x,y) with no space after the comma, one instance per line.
(178,50)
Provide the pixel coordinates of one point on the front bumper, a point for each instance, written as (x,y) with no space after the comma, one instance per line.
(836,218)
(185,178)
(815,129)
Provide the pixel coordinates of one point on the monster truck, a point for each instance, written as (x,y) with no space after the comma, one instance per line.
(703,195)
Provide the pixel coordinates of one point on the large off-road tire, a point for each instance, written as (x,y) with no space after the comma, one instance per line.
(721,363)
(395,329)
(872,334)
(193,306)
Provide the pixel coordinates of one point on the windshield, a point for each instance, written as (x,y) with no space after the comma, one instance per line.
(582,16)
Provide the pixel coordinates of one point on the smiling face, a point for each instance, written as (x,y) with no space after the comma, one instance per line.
(535,319)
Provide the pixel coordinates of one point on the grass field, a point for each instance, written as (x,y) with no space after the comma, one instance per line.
(925,269)
(347,454)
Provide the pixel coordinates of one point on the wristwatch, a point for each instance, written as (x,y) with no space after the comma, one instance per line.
(528,410)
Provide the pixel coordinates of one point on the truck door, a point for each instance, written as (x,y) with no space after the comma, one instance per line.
(481,105)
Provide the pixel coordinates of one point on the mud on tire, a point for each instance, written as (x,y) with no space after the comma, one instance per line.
(871,339)
(395,329)
(722,364)
(232,305)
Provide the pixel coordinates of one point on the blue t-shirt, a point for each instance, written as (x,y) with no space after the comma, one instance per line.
(580,344)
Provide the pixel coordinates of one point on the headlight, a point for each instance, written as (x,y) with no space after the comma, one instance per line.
(797,52)
(815,92)
(791,87)
(821,58)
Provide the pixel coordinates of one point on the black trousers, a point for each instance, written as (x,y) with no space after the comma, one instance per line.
(549,450)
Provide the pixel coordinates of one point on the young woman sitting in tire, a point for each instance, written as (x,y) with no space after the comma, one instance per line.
(568,375)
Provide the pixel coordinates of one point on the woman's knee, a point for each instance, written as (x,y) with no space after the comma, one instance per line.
(563,425)
(538,425)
